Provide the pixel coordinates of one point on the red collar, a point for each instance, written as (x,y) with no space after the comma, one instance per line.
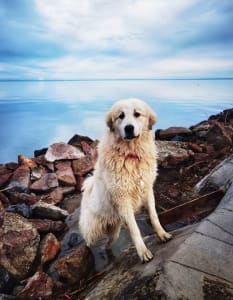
(132,156)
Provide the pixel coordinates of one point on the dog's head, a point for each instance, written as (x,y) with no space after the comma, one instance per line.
(128,119)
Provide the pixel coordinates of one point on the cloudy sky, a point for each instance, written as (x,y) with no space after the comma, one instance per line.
(83,39)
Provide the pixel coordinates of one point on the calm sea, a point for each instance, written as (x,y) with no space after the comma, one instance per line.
(34,114)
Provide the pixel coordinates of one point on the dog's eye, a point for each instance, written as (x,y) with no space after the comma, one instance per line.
(121,116)
(137,114)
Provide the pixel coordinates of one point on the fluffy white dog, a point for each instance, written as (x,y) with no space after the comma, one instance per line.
(123,177)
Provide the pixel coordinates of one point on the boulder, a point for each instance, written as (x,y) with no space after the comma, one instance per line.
(39,285)
(62,165)
(83,165)
(29,162)
(48,211)
(20,180)
(16,198)
(49,248)
(171,132)
(77,139)
(7,281)
(73,267)
(21,209)
(66,176)
(171,153)
(2,213)
(45,225)
(19,241)
(45,183)
(60,151)
(218,136)
(5,175)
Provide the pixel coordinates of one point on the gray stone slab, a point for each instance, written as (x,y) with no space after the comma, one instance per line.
(223,219)
(207,255)
(215,231)
(227,201)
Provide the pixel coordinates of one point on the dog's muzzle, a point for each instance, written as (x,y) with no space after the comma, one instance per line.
(129,132)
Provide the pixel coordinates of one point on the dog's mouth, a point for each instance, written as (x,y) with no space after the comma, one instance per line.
(130,137)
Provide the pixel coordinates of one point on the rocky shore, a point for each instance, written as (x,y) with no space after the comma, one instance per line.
(42,255)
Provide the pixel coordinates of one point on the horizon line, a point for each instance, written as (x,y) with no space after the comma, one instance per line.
(121,79)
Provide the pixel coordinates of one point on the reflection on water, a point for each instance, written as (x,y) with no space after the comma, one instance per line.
(35,114)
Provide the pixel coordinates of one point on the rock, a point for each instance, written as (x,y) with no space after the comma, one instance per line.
(172,132)
(45,225)
(200,130)
(38,172)
(48,211)
(49,248)
(40,152)
(2,213)
(5,175)
(53,197)
(15,232)
(16,198)
(40,160)
(220,177)
(39,285)
(80,180)
(195,147)
(77,139)
(7,281)
(66,177)
(59,151)
(21,209)
(218,136)
(12,166)
(20,180)
(71,239)
(74,267)
(201,156)
(46,183)
(83,165)
(4,199)
(171,153)
(90,149)
(71,202)
(62,165)
(25,161)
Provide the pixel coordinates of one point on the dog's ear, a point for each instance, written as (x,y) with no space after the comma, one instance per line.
(152,119)
(109,120)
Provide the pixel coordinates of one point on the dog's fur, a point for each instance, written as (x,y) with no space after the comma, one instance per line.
(123,178)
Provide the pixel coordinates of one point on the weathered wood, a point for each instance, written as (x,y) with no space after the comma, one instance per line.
(198,206)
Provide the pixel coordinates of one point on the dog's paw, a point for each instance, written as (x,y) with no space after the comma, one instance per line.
(164,236)
(146,256)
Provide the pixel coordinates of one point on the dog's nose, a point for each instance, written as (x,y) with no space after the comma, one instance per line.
(129,131)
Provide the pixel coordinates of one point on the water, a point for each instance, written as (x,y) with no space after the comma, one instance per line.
(34,114)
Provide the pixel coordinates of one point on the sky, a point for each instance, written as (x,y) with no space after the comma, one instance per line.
(96,39)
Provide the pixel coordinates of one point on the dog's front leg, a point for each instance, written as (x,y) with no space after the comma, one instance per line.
(150,203)
(129,219)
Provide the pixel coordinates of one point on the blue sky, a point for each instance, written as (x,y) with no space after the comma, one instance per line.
(82,39)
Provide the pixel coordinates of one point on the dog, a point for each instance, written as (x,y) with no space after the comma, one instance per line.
(123,178)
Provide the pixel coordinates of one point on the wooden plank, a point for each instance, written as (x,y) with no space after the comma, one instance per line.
(196,207)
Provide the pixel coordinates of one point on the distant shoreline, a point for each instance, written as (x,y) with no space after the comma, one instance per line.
(119,79)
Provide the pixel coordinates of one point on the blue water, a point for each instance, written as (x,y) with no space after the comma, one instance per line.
(34,114)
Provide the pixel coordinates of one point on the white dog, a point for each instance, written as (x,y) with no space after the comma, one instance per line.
(123,178)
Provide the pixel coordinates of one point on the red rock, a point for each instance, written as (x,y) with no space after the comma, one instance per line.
(16,197)
(67,189)
(53,197)
(45,225)
(12,166)
(83,165)
(66,176)
(200,156)
(21,179)
(218,136)
(75,266)
(40,160)
(209,149)
(39,285)
(195,147)
(2,213)
(171,132)
(49,248)
(60,151)
(4,199)
(29,162)
(80,180)
(62,165)
(77,139)
(19,241)
(38,172)
(46,183)
(5,175)
(178,158)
